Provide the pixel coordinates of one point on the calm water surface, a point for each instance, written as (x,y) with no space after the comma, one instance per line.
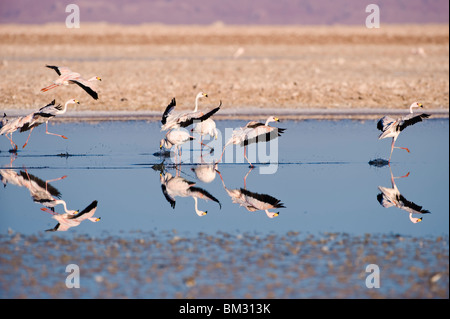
(321,179)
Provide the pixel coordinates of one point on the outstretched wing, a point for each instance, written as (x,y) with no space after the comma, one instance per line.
(261,201)
(87,212)
(262,134)
(87,86)
(413,120)
(42,184)
(59,69)
(201,193)
(169,109)
(194,118)
(384,123)
(412,207)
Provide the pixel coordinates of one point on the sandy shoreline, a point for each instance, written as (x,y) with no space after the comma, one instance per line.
(293,67)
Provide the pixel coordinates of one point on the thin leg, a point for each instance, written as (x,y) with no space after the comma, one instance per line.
(44,209)
(54,180)
(49,87)
(221,178)
(403,148)
(31,130)
(245,178)
(223,151)
(245,155)
(14,145)
(47,132)
(392,149)
(12,159)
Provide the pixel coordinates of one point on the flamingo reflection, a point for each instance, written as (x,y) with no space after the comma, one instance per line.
(69,220)
(204,171)
(44,193)
(391,197)
(173,186)
(253,201)
(41,191)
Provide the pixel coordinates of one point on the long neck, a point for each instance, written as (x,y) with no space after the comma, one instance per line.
(411,108)
(270,214)
(268,121)
(65,107)
(62,202)
(414,219)
(196,103)
(199,212)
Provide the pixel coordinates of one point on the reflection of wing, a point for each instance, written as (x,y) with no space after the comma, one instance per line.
(85,213)
(384,201)
(410,206)
(201,193)
(169,198)
(261,201)
(44,186)
(59,227)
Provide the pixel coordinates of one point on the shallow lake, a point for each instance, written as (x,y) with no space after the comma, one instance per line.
(317,171)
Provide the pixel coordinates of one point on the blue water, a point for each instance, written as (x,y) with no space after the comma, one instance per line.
(321,176)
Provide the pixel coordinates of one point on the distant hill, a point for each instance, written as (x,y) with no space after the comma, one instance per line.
(299,12)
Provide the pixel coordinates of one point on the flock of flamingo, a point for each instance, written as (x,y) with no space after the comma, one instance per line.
(175,123)
(252,132)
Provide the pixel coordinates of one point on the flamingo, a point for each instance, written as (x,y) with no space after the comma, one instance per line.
(66,77)
(391,127)
(207,127)
(253,201)
(391,197)
(173,186)
(172,120)
(43,116)
(8,126)
(68,220)
(175,138)
(254,132)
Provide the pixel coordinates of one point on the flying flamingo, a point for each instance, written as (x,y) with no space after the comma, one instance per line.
(391,127)
(66,77)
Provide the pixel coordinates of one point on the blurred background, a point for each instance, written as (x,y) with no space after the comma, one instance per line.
(296,55)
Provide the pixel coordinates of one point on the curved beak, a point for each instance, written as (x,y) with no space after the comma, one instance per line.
(205,95)
(76,101)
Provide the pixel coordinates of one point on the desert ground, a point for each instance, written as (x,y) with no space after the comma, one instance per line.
(249,68)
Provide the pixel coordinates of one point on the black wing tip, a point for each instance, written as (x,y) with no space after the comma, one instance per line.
(380,125)
(54,68)
(88,90)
